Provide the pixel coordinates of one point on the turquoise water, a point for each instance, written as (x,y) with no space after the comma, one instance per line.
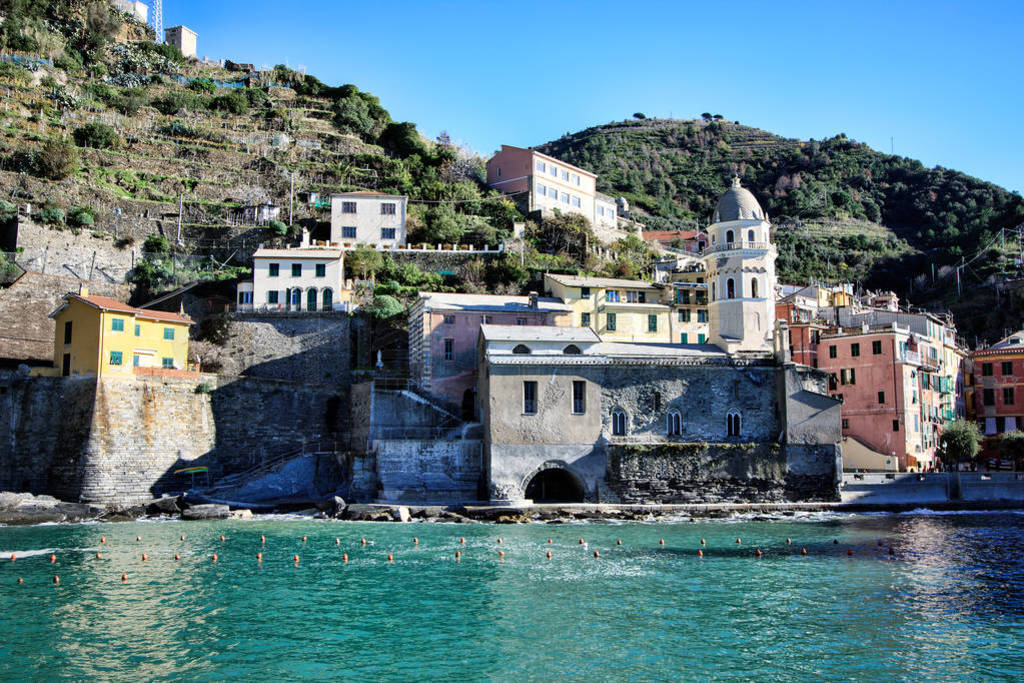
(948,605)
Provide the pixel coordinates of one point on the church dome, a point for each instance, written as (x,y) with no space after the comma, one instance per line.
(737,204)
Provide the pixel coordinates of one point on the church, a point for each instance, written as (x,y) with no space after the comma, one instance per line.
(568,417)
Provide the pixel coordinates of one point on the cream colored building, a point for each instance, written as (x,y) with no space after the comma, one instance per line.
(304,278)
(183,38)
(618,310)
(740,263)
(686,291)
(368,218)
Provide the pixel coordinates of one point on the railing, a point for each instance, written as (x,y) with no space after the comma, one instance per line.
(313,447)
(730,246)
(344,307)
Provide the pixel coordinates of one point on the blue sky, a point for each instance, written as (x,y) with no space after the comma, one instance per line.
(941,79)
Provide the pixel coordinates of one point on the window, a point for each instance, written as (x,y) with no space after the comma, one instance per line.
(585,292)
(657,401)
(565,175)
(585,320)
(449,349)
(321,270)
(832,351)
(854,350)
(387,233)
(167,363)
(488,319)
(652,323)
(684,315)
(388,208)
(729,237)
(541,166)
(575,179)
(895,425)
(846,423)
(272,296)
(273,269)
(530,398)
(348,207)
(579,397)
(67,332)
(600,211)
(553,171)
(572,350)
(1006,367)
(348,232)
(611,296)
(701,338)
(833,381)
(753,287)
(565,198)
(750,235)
(136,360)
(499,171)
(611,322)
(296,270)
(702,316)
(115,357)
(675,424)
(618,423)
(730,289)
(986,369)
(117,324)
(521,349)
(684,338)
(542,190)
(449,319)
(733,423)
(989,397)
(881,397)
(138,328)
(576,201)
(1008,396)
(848,376)
(169,333)
(520,321)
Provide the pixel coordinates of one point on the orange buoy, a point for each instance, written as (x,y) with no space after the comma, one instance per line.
(462,540)
(144,557)
(259,557)
(21,580)
(138,538)
(415,541)
(549,541)
(214,557)
(177,556)
(703,542)
(618,542)
(13,557)
(661,541)
(788,541)
(458,555)
(390,558)
(337,541)
(222,538)
(362,541)
(103,539)
(182,537)
(803,551)
(56,579)
(53,558)
(596,555)
(124,578)
(344,557)
(263,539)
(97,556)
(738,540)
(499,540)
(757,552)
(501,553)
(549,554)
(849,552)
(700,553)
(581,541)
(303,539)
(296,558)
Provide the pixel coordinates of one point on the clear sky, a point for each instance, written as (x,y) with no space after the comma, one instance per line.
(943,80)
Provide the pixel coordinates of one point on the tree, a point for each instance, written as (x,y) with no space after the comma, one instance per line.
(443,224)
(385,306)
(1011,446)
(97,135)
(639,116)
(960,441)
(57,160)
(156,244)
(365,261)
(706,116)
(278,228)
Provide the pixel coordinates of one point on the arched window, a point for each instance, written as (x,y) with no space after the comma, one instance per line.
(728,237)
(618,423)
(730,289)
(521,348)
(753,287)
(328,299)
(675,423)
(296,299)
(733,423)
(572,350)
(750,235)
(311,299)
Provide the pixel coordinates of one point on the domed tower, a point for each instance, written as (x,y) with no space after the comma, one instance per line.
(740,262)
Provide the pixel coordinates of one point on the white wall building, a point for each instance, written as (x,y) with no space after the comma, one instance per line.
(183,38)
(301,278)
(368,218)
(139,9)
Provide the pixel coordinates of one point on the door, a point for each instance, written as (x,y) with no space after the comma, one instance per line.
(311,300)
(65,365)
(328,300)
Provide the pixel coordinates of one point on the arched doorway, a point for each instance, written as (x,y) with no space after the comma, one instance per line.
(311,300)
(554,485)
(328,299)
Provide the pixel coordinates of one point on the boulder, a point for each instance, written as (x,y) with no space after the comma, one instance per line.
(339,506)
(207,511)
(241,514)
(367,513)
(401,514)
(168,505)
(9,500)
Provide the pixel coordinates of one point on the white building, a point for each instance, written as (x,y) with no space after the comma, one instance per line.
(139,9)
(740,263)
(303,278)
(368,218)
(183,38)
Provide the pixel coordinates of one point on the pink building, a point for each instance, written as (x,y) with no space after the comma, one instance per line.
(443,333)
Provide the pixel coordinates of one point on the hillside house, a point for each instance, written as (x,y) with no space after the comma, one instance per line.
(183,38)
(368,218)
(618,310)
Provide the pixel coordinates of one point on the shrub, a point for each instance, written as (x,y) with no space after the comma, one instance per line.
(156,244)
(234,102)
(165,50)
(959,442)
(97,135)
(57,160)
(81,216)
(178,101)
(203,85)
(129,101)
(385,306)
(50,216)
(204,388)
(7,210)
(15,72)
(278,228)
(257,97)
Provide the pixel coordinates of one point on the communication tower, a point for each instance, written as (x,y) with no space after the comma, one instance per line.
(158,20)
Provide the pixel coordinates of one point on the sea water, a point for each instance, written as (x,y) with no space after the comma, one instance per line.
(946,604)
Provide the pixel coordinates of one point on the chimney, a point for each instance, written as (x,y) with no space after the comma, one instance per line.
(83,290)
(533,300)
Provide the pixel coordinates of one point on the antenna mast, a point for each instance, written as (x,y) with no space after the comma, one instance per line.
(158,20)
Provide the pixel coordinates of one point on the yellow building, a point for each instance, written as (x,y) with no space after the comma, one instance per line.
(97,335)
(618,310)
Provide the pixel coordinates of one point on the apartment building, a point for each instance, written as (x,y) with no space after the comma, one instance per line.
(302,278)
(368,218)
(686,291)
(618,310)
(999,383)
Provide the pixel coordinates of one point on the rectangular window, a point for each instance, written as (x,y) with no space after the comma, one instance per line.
(611,322)
(684,338)
(541,166)
(989,397)
(387,233)
(169,333)
(846,423)
(1007,367)
(67,332)
(986,369)
(387,209)
(575,179)
(117,324)
(565,198)
(348,207)
(553,171)
(321,270)
(115,357)
(138,330)
(876,347)
(1008,396)
(685,315)
(541,190)
(520,321)
(579,397)
(855,350)
(449,349)
(348,232)
(530,398)
(652,323)
(449,320)
(832,351)
(702,316)
(585,320)
(585,292)
(895,425)
(881,397)
(167,363)
(701,338)
(136,360)
(296,270)
(576,201)
(565,175)
(833,381)
(488,319)
(272,296)
(611,296)
(273,269)
(600,211)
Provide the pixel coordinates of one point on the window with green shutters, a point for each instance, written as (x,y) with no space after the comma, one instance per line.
(652,323)
(321,270)
(585,320)
(272,297)
(138,330)
(273,269)
(117,324)
(168,363)
(611,322)
(169,333)
(296,270)
(115,357)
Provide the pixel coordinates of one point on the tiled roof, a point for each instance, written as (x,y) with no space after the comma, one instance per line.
(576,281)
(366,193)
(105,303)
(489,302)
(536,333)
(298,252)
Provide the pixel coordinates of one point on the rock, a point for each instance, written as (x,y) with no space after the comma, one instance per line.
(339,506)
(76,512)
(168,505)
(241,514)
(207,511)
(401,514)
(367,513)
(9,501)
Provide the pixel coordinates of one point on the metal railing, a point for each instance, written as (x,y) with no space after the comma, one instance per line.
(730,246)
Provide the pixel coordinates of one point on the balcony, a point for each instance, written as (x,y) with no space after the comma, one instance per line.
(736,246)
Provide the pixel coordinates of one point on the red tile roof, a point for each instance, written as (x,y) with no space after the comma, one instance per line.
(105,303)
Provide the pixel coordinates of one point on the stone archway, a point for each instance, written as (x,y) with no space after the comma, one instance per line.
(554,484)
